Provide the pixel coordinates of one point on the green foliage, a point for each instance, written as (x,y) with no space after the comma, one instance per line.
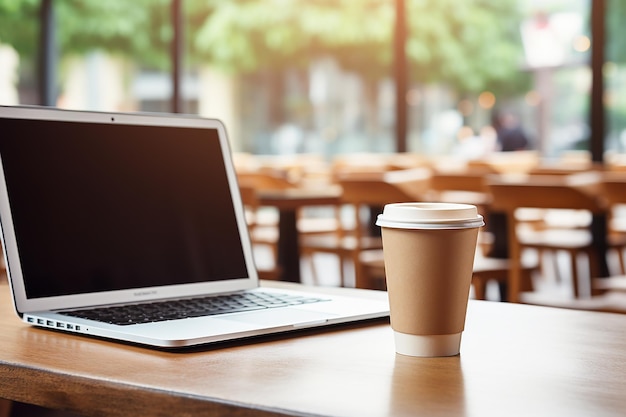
(19,25)
(616,44)
(469,44)
(137,28)
(251,34)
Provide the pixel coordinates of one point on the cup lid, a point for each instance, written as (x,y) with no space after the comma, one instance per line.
(420,215)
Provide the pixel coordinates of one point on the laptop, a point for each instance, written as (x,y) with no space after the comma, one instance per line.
(107,218)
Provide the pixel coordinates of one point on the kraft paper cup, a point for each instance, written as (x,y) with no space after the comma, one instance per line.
(429,255)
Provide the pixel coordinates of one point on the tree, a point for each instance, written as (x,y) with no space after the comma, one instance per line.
(468,44)
(138,28)
(18,25)
(616,45)
(616,54)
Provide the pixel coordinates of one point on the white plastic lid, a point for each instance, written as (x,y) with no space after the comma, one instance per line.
(430,216)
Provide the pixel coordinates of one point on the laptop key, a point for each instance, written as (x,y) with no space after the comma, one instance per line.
(189,308)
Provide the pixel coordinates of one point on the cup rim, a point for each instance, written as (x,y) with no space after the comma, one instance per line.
(450,224)
(421,215)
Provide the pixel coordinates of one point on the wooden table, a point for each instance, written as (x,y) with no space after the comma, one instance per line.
(288,202)
(516,360)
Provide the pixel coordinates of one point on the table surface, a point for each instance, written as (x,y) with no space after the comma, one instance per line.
(515,360)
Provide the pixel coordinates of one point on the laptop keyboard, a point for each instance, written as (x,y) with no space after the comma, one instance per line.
(191,307)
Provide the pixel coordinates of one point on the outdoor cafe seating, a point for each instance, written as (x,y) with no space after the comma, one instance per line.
(550,206)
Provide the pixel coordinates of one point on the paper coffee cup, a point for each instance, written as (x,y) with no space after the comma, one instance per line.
(429,255)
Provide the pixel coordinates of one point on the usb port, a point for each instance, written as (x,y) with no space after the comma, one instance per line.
(40,321)
(30,319)
(70,326)
(60,325)
(50,323)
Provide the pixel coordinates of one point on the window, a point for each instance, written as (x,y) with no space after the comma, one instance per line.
(317,77)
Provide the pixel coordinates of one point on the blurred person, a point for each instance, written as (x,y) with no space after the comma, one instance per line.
(509,134)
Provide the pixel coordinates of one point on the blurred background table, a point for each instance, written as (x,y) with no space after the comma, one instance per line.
(288,202)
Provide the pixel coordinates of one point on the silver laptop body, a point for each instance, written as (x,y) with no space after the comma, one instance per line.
(106,209)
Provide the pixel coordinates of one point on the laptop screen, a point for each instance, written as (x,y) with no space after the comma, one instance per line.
(105,207)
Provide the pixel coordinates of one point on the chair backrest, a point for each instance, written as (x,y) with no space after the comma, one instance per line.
(462,181)
(614,187)
(248,196)
(392,187)
(374,192)
(371,192)
(263,181)
(251,204)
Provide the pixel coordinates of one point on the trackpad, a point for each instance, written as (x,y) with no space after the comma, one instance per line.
(280,317)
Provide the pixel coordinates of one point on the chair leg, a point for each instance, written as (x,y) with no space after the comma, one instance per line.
(309,259)
(479,283)
(620,258)
(558,276)
(527,279)
(361,278)
(574,266)
(594,271)
(5,407)
(342,272)
(548,264)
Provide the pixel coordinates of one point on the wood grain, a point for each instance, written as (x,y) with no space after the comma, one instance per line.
(516,360)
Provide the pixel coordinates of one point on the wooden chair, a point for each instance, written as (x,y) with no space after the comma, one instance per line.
(614,190)
(306,224)
(489,269)
(461,187)
(547,193)
(361,194)
(265,235)
(470,187)
(263,221)
(264,180)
